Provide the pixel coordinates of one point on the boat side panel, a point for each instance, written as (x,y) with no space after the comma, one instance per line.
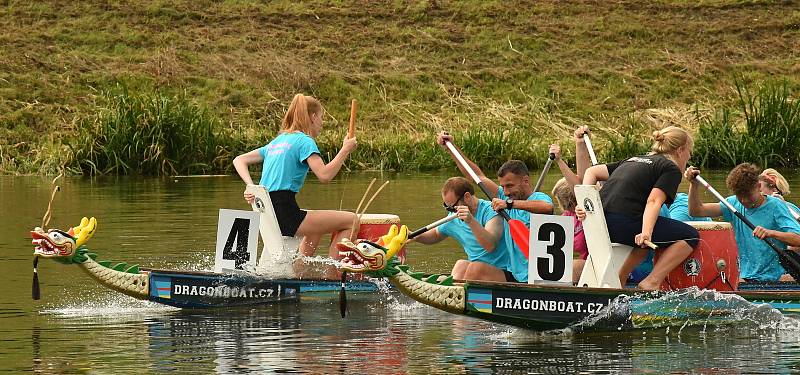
(534,307)
(217,290)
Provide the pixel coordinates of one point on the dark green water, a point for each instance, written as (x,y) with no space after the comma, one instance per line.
(79,327)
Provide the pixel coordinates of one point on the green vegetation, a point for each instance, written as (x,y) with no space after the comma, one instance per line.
(183,86)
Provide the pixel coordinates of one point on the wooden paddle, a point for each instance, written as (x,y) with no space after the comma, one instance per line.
(519,232)
(788,259)
(351,131)
(547,165)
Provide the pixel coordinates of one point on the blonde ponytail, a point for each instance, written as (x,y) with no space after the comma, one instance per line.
(777,180)
(670,139)
(298,116)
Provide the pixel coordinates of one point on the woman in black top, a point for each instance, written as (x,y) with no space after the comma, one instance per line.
(632,195)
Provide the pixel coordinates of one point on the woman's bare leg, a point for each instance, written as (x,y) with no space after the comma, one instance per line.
(634,259)
(460,269)
(320,222)
(672,256)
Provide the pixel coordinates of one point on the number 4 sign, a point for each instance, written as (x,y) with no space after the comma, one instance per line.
(551,249)
(237,239)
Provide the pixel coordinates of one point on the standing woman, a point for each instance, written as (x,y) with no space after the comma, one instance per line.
(286,161)
(632,196)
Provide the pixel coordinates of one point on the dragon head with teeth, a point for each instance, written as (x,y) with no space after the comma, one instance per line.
(56,243)
(373,257)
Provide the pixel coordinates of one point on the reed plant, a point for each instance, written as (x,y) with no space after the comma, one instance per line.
(150,134)
(763,128)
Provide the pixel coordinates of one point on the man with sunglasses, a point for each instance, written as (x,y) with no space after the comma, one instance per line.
(514,193)
(479,232)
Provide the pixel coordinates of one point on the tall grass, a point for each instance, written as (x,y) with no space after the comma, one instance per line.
(764,128)
(150,134)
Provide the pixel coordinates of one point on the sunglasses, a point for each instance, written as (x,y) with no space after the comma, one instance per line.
(452,208)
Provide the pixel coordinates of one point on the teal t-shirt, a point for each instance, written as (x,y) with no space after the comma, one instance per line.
(679,209)
(459,230)
(517,263)
(285,166)
(757,261)
(792,207)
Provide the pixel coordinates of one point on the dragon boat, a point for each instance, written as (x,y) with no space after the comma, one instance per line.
(704,289)
(205,289)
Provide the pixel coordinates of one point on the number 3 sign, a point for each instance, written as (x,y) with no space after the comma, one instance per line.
(551,248)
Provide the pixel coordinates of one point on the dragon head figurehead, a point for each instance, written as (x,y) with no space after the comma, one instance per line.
(58,244)
(370,257)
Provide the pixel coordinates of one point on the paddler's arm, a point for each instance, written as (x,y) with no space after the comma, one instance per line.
(326,172)
(570,176)
(490,185)
(241,163)
(536,206)
(595,173)
(582,159)
(488,235)
(656,198)
(696,206)
(430,237)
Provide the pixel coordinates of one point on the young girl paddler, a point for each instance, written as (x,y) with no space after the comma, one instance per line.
(286,161)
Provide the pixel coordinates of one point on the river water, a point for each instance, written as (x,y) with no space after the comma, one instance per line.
(79,327)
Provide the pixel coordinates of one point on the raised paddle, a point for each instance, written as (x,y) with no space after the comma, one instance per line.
(788,259)
(547,165)
(351,131)
(588,142)
(519,232)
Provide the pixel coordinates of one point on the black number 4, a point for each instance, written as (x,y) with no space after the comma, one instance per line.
(554,233)
(240,232)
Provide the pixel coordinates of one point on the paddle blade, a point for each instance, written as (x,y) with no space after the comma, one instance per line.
(35,293)
(521,235)
(343,297)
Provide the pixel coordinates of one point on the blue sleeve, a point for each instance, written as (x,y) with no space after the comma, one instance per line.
(664,212)
(500,193)
(784,220)
(306,147)
(445,229)
(263,151)
(539,196)
(727,214)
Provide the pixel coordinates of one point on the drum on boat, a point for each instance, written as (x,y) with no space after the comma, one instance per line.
(714,264)
(373,226)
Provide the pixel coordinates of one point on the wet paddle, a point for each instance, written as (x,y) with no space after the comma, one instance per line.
(519,232)
(547,165)
(351,132)
(788,259)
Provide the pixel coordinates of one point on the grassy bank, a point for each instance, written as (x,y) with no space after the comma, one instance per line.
(507,78)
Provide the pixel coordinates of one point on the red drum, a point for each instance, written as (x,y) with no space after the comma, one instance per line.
(373,226)
(714,264)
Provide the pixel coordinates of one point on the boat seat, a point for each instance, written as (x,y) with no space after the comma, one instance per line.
(278,250)
(605,258)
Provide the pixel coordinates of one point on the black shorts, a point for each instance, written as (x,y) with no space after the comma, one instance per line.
(623,229)
(288,213)
(510,277)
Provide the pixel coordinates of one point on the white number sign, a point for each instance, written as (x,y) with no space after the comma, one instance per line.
(237,239)
(551,248)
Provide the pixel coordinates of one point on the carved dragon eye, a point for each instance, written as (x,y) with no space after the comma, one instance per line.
(57,236)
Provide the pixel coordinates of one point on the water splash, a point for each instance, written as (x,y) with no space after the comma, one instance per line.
(690,307)
(114,307)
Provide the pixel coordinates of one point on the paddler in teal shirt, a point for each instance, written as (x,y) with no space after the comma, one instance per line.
(513,192)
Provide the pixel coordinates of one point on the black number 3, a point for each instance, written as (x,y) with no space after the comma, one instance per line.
(554,233)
